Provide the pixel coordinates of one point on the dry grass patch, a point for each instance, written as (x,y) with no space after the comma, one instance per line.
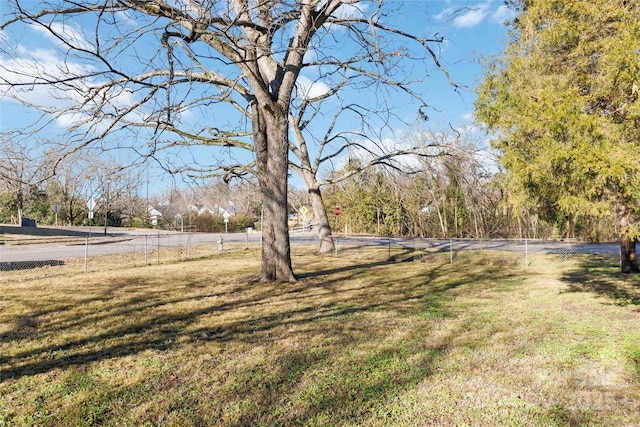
(358,340)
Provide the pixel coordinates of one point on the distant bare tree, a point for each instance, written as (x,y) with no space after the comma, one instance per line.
(22,167)
(450,191)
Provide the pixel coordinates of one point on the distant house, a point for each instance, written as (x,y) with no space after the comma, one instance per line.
(222,211)
(201,210)
(154,215)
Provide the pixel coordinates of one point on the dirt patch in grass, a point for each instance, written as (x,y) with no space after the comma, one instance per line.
(358,340)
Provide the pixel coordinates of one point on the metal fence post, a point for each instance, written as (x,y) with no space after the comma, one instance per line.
(86,252)
(451,250)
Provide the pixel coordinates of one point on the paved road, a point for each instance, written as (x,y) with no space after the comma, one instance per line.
(116,243)
(125,241)
(533,246)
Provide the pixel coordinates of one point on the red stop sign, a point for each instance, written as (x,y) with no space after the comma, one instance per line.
(337,210)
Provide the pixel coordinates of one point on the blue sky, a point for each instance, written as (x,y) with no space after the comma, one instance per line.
(471,30)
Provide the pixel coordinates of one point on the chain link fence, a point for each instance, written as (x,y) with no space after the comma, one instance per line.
(49,255)
(524,252)
(96,252)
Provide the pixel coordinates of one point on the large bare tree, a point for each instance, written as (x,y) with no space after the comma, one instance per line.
(153,76)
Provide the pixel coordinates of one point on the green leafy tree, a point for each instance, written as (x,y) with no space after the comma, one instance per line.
(7,208)
(562,105)
(38,206)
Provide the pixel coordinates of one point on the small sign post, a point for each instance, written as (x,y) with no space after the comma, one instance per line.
(226,216)
(303,216)
(91,204)
(56,209)
(337,212)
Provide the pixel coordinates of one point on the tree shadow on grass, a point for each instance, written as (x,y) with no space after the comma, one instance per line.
(600,275)
(351,360)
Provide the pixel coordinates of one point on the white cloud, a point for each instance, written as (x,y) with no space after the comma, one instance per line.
(309,89)
(398,141)
(473,17)
(350,10)
(476,14)
(503,14)
(445,14)
(347,11)
(468,117)
(24,69)
(310,55)
(29,69)
(71,34)
(71,119)
(124,18)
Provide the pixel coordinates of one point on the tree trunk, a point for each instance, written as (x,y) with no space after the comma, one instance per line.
(319,212)
(322,221)
(270,129)
(19,199)
(308,173)
(628,260)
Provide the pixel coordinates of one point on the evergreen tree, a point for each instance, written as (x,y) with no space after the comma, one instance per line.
(562,105)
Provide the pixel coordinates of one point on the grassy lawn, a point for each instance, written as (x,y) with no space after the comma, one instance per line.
(357,341)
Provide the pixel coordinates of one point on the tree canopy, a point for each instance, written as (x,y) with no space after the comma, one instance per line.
(562,106)
(156,77)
